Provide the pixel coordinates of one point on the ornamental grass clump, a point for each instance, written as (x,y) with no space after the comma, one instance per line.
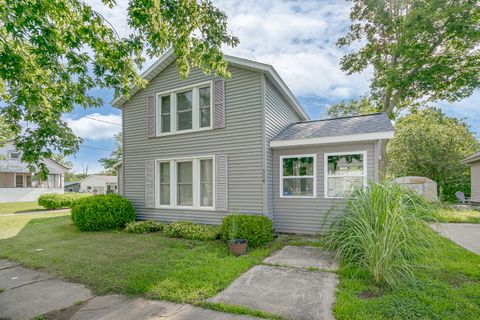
(382,230)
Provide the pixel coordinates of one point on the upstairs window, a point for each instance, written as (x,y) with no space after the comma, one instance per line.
(14,155)
(185,110)
(298,176)
(344,172)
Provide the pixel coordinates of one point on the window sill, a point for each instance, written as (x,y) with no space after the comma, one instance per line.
(298,197)
(186,208)
(166,134)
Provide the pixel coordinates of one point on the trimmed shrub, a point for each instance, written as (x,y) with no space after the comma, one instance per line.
(255,229)
(189,230)
(382,231)
(57,201)
(102,212)
(144,226)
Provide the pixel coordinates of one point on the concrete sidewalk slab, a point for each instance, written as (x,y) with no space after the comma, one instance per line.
(19,276)
(466,235)
(116,307)
(303,257)
(4,264)
(288,292)
(29,301)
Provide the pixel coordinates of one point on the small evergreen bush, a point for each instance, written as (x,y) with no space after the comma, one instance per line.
(102,212)
(189,230)
(256,230)
(57,201)
(144,226)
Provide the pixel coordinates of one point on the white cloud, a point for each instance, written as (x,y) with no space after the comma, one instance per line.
(95,126)
(297,37)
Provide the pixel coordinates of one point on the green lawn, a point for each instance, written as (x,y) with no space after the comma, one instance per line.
(446,286)
(16,207)
(147,265)
(458,216)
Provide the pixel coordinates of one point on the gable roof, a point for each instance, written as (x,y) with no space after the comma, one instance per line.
(169,57)
(473,158)
(70,183)
(102,178)
(344,129)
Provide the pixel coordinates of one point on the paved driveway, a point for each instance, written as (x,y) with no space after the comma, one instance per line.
(466,235)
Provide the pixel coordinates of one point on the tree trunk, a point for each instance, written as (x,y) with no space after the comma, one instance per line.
(389,103)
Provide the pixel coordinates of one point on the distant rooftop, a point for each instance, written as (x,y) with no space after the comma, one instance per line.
(473,158)
(360,126)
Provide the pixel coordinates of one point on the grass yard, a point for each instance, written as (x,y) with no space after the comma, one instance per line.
(147,265)
(446,286)
(458,216)
(17,207)
(10,226)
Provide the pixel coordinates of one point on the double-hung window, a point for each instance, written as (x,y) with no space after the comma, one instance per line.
(298,176)
(186,182)
(344,172)
(185,109)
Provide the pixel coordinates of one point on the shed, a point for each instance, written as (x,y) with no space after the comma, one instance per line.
(421,185)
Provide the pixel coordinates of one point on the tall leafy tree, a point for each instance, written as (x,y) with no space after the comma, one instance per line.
(363,105)
(5,132)
(430,144)
(115,156)
(419,49)
(54,52)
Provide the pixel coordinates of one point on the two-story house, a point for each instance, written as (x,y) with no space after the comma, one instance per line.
(200,148)
(18,183)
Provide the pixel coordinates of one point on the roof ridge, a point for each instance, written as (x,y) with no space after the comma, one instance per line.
(344,117)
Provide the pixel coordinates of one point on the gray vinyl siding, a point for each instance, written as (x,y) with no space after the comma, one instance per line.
(475,181)
(311,215)
(240,140)
(278,115)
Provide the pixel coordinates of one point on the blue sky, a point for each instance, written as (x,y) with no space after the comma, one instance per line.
(297,37)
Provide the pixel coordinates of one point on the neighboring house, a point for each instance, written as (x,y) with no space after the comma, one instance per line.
(18,184)
(474,162)
(200,148)
(99,184)
(72,186)
(118,168)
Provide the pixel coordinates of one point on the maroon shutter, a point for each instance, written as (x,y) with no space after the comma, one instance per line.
(219,103)
(151,116)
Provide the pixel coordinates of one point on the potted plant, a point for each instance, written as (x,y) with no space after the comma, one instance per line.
(237,246)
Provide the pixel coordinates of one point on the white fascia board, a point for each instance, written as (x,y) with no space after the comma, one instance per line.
(156,68)
(335,139)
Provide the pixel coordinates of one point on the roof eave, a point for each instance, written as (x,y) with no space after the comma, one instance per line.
(385,135)
(267,69)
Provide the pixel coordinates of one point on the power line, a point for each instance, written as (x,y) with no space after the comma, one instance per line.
(91,118)
(89,147)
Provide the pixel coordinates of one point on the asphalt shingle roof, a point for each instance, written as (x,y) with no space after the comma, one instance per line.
(370,123)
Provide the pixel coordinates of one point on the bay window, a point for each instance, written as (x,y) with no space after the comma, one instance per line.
(184,110)
(298,176)
(185,183)
(344,172)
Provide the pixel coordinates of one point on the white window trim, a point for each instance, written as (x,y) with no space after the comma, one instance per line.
(326,176)
(173,109)
(195,183)
(314,175)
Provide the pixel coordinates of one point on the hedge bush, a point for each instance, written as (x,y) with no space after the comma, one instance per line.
(189,230)
(144,226)
(255,229)
(102,212)
(57,201)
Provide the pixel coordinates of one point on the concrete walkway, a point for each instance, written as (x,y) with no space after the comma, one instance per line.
(296,283)
(466,235)
(26,294)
